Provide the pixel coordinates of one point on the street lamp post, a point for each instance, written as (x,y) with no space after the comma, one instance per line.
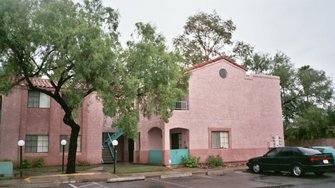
(115,143)
(20,143)
(63,143)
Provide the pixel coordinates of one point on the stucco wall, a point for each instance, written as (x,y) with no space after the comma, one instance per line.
(249,107)
(18,121)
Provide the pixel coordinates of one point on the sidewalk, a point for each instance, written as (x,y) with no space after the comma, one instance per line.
(99,174)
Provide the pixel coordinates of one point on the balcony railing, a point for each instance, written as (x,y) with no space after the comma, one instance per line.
(181,105)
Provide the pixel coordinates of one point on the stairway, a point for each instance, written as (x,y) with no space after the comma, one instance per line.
(106,156)
(108,148)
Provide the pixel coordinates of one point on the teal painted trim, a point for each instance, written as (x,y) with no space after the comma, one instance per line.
(177,155)
(109,139)
(6,169)
(156,157)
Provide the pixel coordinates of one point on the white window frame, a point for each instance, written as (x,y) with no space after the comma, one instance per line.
(38,100)
(220,139)
(37,144)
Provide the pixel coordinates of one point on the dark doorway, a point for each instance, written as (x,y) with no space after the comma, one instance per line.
(131,150)
(175,137)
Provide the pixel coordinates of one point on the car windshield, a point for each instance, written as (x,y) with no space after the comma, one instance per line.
(309,151)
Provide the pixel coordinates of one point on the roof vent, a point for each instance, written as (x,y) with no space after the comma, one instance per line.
(223,73)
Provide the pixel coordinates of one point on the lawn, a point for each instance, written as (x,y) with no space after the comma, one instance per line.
(26,172)
(121,168)
(134,168)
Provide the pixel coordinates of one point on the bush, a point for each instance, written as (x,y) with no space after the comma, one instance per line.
(214,161)
(39,163)
(27,163)
(191,161)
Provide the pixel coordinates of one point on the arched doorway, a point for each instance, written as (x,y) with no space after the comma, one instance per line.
(155,145)
(179,143)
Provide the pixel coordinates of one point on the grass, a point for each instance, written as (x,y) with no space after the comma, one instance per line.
(47,170)
(134,168)
(121,168)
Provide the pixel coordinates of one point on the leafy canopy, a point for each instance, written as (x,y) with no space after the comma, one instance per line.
(207,36)
(76,47)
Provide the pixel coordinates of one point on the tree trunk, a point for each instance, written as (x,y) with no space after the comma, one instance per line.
(71,158)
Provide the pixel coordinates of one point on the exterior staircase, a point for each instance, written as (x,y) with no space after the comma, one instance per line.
(106,156)
(108,148)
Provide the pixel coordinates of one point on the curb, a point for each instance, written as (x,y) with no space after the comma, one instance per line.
(176,175)
(121,179)
(215,173)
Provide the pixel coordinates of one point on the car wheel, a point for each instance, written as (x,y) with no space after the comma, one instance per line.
(256,168)
(297,171)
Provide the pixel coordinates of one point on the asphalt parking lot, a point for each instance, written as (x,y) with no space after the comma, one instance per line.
(236,179)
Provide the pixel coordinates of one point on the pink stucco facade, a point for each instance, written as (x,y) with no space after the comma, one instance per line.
(247,107)
(18,120)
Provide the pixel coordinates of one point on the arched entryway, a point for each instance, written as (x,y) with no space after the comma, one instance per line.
(155,145)
(179,143)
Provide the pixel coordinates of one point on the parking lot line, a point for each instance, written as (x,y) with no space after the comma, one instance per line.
(95,184)
(166,182)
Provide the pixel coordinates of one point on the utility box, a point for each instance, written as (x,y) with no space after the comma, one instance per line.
(6,169)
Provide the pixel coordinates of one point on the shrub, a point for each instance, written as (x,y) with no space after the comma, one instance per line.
(39,163)
(214,161)
(191,161)
(27,163)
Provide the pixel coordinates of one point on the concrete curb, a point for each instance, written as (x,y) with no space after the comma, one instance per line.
(176,175)
(215,173)
(121,179)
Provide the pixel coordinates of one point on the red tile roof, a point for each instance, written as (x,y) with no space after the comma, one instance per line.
(41,83)
(215,60)
(38,82)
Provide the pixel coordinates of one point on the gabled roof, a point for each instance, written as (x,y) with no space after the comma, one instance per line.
(215,60)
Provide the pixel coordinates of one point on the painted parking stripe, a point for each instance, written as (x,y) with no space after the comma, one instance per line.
(73,186)
(166,182)
(95,184)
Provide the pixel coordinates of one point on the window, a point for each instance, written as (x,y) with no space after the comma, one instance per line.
(220,139)
(37,144)
(181,105)
(67,138)
(38,100)
(272,153)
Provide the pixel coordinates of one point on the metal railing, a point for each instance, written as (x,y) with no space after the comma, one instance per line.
(181,105)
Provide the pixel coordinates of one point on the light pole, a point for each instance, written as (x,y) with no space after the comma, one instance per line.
(63,143)
(20,143)
(115,143)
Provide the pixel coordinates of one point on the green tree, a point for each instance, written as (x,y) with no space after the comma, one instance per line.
(258,63)
(76,47)
(281,66)
(152,78)
(62,41)
(311,124)
(207,36)
(316,87)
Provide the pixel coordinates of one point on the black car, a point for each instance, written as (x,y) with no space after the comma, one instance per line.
(296,160)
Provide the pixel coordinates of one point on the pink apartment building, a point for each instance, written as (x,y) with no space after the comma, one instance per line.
(227,112)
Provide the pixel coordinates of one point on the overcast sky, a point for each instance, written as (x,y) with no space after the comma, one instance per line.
(302,29)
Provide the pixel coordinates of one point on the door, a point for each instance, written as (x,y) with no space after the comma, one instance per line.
(175,140)
(131,150)
(177,156)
